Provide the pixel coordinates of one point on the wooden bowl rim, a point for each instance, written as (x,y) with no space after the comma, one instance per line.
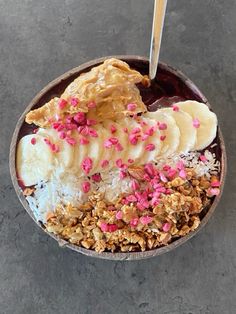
(109,255)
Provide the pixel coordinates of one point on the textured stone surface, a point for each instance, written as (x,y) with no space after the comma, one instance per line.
(40,40)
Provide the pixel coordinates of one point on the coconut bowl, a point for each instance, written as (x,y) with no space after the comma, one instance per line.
(169,81)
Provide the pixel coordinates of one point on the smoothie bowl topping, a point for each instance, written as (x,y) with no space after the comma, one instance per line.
(106,174)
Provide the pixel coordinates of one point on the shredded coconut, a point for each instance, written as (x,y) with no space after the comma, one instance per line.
(64,188)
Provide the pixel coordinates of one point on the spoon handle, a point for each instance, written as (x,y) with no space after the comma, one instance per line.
(157,27)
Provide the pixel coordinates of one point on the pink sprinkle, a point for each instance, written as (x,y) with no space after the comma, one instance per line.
(134,222)
(196,123)
(215,184)
(86,186)
(96,177)
(166,167)
(62,103)
(182,174)
(91,104)
(33,141)
(62,135)
(124,201)
(131,107)
(144,137)
(108,144)
(162,137)
(119,214)
(55,148)
(119,163)
(146,177)
(144,203)
(166,227)
(113,129)
(130,160)
(84,141)
(104,227)
(91,122)
(145,220)
(70,126)
(213,192)
(161,189)
(162,126)
(87,165)
(60,128)
(155,201)
(162,177)
(104,163)
(112,227)
(171,173)
(131,198)
(74,101)
(150,169)
(125,130)
(84,130)
(150,147)
(114,140)
(80,117)
(150,131)
(203,158)
(93,133)
(71,140)
(55,125)
(133,138)
(134,185)
(135,130)
(119,147)
(122,174)
(175,108)
(68,120)
(180,165)
(140,206)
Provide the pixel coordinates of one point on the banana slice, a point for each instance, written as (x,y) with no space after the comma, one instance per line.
(206,132)
(95,148)
(102,152)
(134,152)
(34,162)
(120,150)
(65,156)
(187,132)
(171,135)
(150,155)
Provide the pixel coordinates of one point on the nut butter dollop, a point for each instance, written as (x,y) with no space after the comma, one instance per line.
(111,86)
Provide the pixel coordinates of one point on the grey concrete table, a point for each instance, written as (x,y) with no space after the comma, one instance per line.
(40,40)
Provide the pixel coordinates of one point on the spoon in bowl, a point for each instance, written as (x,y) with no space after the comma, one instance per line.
(157,27)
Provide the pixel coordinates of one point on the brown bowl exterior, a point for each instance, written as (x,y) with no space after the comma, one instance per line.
(56,87)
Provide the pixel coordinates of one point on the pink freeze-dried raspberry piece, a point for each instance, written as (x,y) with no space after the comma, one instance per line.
(86,186)
(87,165)
(145,220)
(62,103)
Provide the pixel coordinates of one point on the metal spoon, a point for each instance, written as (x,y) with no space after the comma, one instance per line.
(157,27)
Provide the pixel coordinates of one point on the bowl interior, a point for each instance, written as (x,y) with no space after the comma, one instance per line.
(169,83)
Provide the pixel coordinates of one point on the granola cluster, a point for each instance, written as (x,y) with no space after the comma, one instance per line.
(126,227)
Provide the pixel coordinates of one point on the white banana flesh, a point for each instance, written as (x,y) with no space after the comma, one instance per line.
(171,133)
(65,156)
(187,132)
(206,132)
(34,162)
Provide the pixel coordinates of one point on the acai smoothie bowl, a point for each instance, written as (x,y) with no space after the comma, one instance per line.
(115,166)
